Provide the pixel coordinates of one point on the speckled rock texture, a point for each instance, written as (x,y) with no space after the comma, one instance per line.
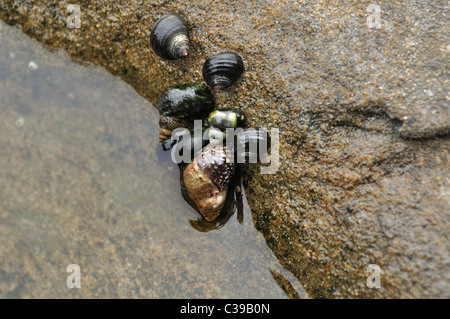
(363,115)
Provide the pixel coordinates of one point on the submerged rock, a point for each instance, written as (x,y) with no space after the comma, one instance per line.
(362,111)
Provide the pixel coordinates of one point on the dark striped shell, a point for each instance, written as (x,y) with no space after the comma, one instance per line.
(222,70)
(170,37)
(224,118)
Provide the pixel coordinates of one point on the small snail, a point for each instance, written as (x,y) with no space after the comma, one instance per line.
(182,103)
(222,70)
(170,37)
(226,118)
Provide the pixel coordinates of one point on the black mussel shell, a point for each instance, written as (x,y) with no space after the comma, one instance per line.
(186,101)
(170,37)
(222,70)
(224,118)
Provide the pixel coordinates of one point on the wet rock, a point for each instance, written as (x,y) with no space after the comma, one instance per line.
(84,181)
(362,111)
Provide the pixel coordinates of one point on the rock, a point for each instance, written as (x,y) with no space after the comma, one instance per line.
(362,111)
(84,181)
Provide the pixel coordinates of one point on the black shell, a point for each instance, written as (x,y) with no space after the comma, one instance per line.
(170,37)
(222,70)
(186,101)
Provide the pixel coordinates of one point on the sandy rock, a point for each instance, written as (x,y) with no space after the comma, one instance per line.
(362,111)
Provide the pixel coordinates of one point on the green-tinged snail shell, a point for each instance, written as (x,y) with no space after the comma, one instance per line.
(224,118)
(180,104)
(222,70)
(206,180)
(170,37)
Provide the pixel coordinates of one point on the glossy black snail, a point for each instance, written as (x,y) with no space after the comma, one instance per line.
(170,37)
(180,104)
(221,70)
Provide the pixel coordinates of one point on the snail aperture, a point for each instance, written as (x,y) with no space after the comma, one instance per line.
(221,70)
(170,37)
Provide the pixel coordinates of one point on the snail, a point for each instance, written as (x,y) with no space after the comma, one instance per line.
(222,70)
(226,118)
(207,179)
(170,37)
(233,203)
(182,103)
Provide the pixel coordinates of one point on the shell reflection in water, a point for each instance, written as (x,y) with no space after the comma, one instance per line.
(170,37)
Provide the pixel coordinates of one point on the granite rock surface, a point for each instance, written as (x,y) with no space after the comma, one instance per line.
(362,109)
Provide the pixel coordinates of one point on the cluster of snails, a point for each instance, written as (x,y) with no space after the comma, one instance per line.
(209,177)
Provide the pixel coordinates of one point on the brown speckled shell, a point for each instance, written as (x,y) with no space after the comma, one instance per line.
(167,124)
(206,180)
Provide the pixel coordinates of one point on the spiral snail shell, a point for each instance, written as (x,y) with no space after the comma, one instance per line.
(170,37)
(182,103)
(221,70)
(224,118)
